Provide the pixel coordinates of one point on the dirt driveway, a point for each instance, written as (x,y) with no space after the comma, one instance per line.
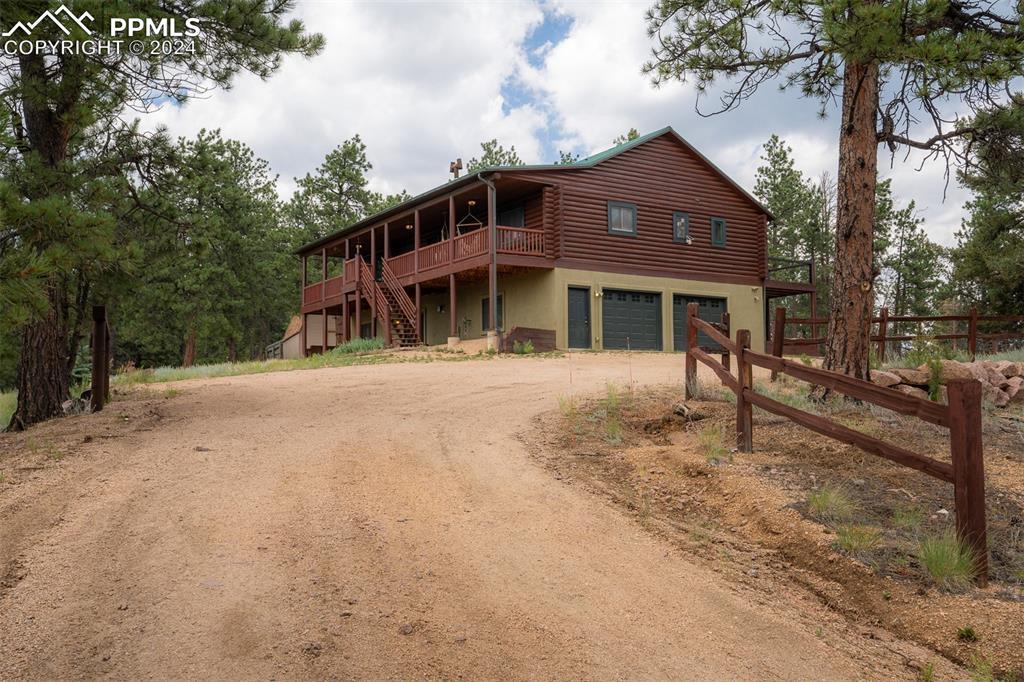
(378,522)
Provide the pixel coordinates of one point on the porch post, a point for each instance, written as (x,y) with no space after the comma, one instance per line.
(323,273)
(416,240)
(373,276)
(492,323)
(323,345)
(387,243)
(344,318)
(359,303)
(304,335)
(451,228)
(419,315)
(453,327)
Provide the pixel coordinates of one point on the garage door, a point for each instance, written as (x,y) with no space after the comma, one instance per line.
(631,319)
(710,309)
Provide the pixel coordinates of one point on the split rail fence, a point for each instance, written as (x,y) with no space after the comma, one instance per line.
(962,416)
(885,324)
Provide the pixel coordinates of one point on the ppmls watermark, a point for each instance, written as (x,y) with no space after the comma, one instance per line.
(134,35)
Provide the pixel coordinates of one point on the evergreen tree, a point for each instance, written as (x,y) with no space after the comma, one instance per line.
(885,61)
(989,257)
(494,155)
(67,122)
(566,158)
(630,135)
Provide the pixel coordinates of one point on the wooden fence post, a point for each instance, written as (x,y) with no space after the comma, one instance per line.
(964,396)
(778,335)
(883,330)
(98,391)
(690,378)
(972,333)
(728,332)
(744,410)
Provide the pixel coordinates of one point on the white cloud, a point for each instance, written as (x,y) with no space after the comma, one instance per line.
(422,84)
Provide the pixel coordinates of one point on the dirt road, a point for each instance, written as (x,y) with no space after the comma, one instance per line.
(379,522)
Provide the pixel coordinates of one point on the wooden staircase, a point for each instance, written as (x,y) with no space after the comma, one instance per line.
(394,307)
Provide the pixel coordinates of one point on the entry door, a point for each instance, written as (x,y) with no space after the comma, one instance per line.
(579,317)
(631,319)
(709,309)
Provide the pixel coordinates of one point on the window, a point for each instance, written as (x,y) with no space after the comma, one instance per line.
(718,231)
(513,217)
(499,313)
(680,227)
(621,218)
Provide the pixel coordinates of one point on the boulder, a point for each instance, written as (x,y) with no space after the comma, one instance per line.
(993,395)
(951,369)
(1002,398)
(911,390)
(1011,369)
(995,377)
(886,378)
(915,377)
(943,395)
(1015,389)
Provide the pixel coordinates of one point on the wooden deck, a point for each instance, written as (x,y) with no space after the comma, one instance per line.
(514,246)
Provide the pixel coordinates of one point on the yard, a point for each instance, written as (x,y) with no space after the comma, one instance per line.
(436,519)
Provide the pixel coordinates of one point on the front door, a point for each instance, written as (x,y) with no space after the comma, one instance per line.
(579,317)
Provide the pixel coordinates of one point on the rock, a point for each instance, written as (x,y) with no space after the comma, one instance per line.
(688,413)
(1001,399)
(951,369)
(1010,369)
(996,378)
(911,390)
(1015,389)
(405,629)
(914,377)
(943,395)
(885,378)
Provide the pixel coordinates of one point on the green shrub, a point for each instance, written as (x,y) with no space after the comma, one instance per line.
(711,445)
(855,539)
(946,560)
(522,348)
(907,517)
(358,346)
(831,504)
(8,403)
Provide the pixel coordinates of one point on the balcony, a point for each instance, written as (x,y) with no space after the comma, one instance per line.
(519,241)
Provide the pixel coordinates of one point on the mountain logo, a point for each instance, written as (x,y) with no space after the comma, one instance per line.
(69,19)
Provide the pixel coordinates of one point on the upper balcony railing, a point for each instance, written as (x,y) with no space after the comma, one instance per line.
(519,241)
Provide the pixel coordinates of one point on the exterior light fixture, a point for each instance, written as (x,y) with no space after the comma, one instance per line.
(408,226)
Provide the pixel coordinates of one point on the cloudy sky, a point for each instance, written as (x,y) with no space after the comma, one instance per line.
(426,82)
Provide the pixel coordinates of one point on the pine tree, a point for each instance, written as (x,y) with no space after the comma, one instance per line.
(68,122)
(494,155)
(885,61)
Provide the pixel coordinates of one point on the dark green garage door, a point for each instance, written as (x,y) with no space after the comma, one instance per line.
(710,309)
(631,319)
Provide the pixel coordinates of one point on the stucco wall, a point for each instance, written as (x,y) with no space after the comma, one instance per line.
(529,299)
(745,303)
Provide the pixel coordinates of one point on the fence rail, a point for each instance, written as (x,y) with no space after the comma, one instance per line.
(962,416)
(885,322)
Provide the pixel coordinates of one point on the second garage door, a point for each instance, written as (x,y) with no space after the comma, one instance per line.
(631,319)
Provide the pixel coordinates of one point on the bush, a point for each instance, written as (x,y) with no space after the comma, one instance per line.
(831,504)
(946,560)
(522,348)
(358,346)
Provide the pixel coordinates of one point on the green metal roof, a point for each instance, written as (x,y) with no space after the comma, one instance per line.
(587,162)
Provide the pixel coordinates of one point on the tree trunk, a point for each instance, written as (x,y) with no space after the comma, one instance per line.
(189,358)
(43,375)
(852,297)
(232,350)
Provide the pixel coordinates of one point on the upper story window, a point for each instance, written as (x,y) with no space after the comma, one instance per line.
(513,217)
(681,227)
(718,231)
(621,218)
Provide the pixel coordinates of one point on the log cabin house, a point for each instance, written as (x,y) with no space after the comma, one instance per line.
(604,253)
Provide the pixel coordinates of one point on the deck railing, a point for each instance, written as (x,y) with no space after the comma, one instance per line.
(512,240)
(403,265)
(350,271)
(332,286)
(313,293)
(521,241)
